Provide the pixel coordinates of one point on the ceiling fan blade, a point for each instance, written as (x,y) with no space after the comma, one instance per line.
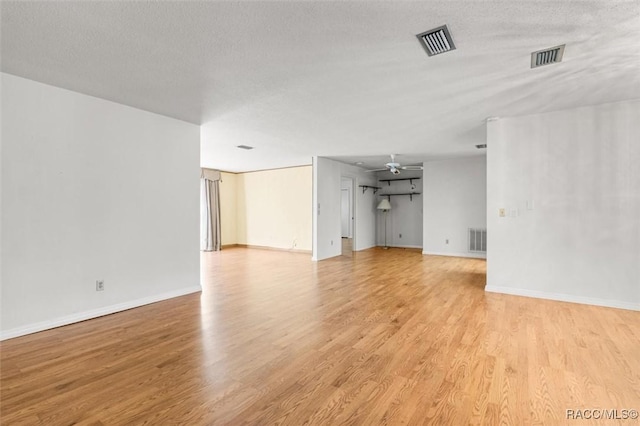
(377,170)
(411,168)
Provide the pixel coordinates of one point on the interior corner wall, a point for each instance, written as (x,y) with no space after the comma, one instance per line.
(92,190)
(274,208)
(229,208)
(455,199)
(327,176)
(404,222)
(568,182)
(365,207)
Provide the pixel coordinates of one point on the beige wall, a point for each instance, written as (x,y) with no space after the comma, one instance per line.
(270,208)
(229,208)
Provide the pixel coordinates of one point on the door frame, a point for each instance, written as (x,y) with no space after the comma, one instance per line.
(353,207)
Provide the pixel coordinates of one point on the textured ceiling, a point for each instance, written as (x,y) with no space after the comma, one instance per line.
(342,79)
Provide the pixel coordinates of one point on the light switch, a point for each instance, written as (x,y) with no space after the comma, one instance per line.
(502,212)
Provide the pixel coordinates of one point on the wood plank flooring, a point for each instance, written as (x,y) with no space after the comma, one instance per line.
(384,337)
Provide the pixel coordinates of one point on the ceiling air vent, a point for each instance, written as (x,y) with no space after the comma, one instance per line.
(436,41)
(244,147)
(547,56)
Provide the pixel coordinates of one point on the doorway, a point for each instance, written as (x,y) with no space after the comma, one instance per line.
(347,215)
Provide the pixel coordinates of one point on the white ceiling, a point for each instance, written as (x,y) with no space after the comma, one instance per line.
(341,79)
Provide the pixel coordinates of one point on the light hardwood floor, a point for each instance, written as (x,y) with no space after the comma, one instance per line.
(383,337)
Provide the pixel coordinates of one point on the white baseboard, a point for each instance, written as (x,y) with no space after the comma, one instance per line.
(290,250)
(470,255)
(563,297)
(94,313)
(400,246)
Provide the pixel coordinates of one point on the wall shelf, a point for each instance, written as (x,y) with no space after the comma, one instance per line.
(410,194)
(393,180)
(365,187)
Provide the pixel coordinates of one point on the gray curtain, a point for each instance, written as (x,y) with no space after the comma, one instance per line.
(211,239)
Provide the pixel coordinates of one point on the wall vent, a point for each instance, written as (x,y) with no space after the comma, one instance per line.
(436,41)
(477,240)
(481,146)
(244,147)
(547,56)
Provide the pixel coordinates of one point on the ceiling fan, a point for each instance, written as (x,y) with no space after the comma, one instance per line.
(394,167)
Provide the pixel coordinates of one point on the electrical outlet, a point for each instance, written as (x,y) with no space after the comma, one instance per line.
(100,285)
(400,235)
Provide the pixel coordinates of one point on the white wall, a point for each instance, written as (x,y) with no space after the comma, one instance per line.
(580,239)
(404,220)
(327,176)
(274,208)
(455,192)
(92,190)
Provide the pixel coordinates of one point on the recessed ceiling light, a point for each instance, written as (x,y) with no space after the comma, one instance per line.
(358,163)
(245,147)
